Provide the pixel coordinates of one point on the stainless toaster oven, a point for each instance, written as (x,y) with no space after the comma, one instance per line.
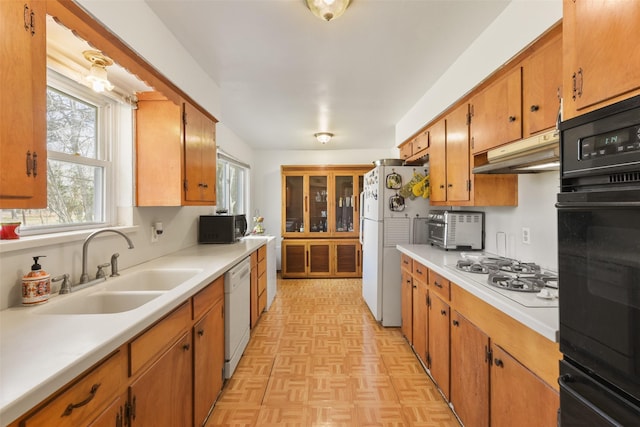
(461,230)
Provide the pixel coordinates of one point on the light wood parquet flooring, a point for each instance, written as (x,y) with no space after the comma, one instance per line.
(317,358)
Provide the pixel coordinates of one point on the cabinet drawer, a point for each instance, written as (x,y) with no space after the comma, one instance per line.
(262,302)
(420,272)
(208,297)
(406,262)
(151,343)
(262,267)
(86,398)
(262,252)
(439,285)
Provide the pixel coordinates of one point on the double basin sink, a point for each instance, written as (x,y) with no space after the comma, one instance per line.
(117,295)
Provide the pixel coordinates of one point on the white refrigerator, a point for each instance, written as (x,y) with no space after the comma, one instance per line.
(386,220)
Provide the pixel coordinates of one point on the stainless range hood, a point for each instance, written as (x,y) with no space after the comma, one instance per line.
(538,153)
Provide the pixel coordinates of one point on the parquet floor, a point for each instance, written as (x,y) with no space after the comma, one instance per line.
(317,358)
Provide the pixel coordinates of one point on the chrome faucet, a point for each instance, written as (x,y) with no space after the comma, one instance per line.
(84,278)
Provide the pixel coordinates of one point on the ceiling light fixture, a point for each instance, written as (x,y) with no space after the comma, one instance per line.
(323,137)
(328,9)
(98,72)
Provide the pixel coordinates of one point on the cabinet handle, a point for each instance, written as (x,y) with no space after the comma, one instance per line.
(72,406)
(201,332)
(580,82)
(498,362)
(186,347)
(455,323)
(32,23)
(418,271)
(512,119)
(133,408)
(35,164)
(535,108)
(306,203)
(437,285)
(203,185)
(441,185)
(29,163)
(119,417)
(26,17)
(443,312)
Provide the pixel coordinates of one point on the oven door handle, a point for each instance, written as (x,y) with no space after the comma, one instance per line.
(564,381)
(596,205)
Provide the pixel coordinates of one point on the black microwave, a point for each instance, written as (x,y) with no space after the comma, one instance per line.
(221,228)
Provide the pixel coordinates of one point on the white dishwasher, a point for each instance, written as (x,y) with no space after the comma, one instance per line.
(237,284)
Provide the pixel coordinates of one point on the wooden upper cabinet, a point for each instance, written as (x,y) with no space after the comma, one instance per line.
(497,113)
(175,154)
(458,154)
(199,157)
(541,87)
(438,161)
(601,55)
(23,145)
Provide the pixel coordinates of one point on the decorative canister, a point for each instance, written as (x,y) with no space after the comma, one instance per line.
(36,285)
(10,230)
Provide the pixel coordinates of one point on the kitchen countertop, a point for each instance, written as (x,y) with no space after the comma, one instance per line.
(543,320)
(40,353)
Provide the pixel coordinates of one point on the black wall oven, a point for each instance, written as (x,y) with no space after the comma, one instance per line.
(599,267)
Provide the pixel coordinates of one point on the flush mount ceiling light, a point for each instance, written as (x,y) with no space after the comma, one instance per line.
(328,9)
(323,137)
(98,72)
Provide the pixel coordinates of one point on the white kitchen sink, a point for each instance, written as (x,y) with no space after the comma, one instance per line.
(150,280)
(98,303)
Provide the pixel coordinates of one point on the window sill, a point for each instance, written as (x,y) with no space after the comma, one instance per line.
(29,242)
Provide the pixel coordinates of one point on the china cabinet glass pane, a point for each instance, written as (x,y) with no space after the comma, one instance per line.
(294,204)
(345,200)
(318,204)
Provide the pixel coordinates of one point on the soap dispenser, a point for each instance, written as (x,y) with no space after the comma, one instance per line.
(36,285)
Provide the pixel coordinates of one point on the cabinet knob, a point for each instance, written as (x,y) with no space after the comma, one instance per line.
(443,312)
(201,332)
(512,119)
(498,363)
(186,346)
(441,185)
(535,108)
(456,323)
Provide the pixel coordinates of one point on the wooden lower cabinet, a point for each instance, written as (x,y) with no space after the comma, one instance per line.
(258,299)
(162,394)
(438,353)
(493,370)
(307,258)
(169,375)
(469,372)
(512,388)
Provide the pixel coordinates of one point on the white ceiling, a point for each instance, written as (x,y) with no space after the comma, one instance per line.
(284,74)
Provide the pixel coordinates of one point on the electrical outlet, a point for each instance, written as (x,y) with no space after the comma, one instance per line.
(526,235)
(154,235)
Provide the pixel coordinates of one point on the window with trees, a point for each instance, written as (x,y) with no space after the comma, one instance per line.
(78,164)
(232,182)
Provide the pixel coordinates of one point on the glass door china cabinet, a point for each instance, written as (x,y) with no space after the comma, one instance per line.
(320,220)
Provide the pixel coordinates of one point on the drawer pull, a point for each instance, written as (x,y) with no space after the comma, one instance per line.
(72,406)
(186,347)
(201,332)
(438,285)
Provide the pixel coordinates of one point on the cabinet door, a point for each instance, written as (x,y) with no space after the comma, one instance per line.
(457,172)
(601,54)
(348,261)
(345,195)
(438,162)
(541,84)
(420,319)
(438,357)
(319,259)
(512,388)
(497,113)
(470,372)
(318,206)
(162,395)
(23,150)
(406,313)
(208,361)
(294,259)
(158,151)
(294,209)
(199,157)
(253,292)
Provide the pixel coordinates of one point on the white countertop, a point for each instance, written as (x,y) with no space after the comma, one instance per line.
(543,320)
(40,353)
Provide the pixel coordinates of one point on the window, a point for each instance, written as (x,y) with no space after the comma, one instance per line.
(232,185)
(78,166)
